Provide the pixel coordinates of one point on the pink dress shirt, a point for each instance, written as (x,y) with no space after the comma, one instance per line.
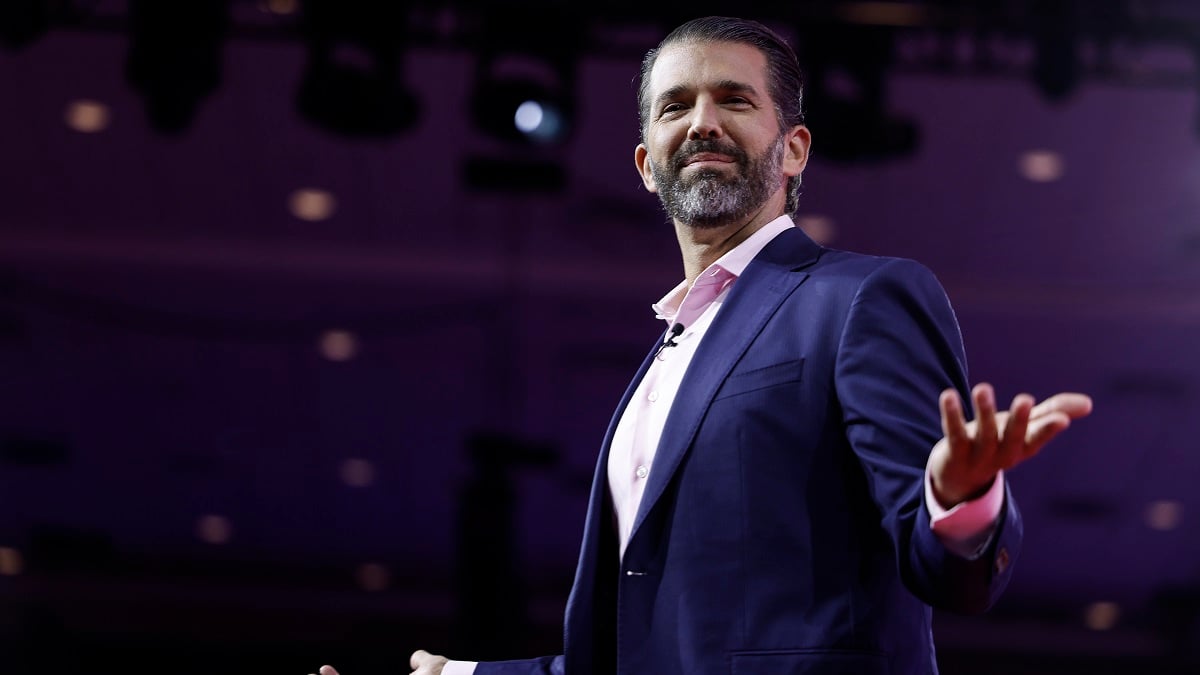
(964,529)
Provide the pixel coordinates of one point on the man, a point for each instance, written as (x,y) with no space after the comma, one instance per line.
(775,493)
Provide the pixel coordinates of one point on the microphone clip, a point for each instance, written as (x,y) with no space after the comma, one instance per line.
(669,341)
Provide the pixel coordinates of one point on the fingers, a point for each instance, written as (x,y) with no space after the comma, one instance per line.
(1071,404)
(1051,417)
(1002,439)
(1026,427)
(954,425)
(987,433)
(1015,428)
(1042,430)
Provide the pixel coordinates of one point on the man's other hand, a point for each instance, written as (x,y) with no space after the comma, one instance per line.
(964,463)
(424,663)
(421,661)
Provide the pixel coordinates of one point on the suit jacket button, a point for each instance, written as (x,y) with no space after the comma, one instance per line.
(1002,560)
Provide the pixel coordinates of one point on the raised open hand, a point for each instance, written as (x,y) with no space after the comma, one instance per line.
(964,463)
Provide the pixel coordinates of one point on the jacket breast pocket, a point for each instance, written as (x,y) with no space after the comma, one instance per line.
(761,378)
(809,662)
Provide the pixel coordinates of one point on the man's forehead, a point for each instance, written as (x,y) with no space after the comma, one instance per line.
(696,64)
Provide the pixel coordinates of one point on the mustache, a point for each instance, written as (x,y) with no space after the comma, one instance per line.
(691,148)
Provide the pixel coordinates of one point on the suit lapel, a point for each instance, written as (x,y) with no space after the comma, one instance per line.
(772,276)
(593,524)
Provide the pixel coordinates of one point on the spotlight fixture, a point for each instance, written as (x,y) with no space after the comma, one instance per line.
(522,108)
(846,92)
(1056,70)
(22,22)
(525,81)
(351,84)
(174,58)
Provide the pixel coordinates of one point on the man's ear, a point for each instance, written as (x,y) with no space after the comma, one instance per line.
(641,157)
(795,152)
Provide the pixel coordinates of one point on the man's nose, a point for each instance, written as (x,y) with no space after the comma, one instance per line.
(705,122)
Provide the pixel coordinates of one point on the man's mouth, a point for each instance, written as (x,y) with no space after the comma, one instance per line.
(708,158)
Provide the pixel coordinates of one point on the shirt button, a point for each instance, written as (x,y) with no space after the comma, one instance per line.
(653,396)
(642,471)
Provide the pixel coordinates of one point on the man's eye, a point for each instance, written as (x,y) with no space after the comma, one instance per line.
(672,108)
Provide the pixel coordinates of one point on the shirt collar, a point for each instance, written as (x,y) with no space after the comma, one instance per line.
(734,262)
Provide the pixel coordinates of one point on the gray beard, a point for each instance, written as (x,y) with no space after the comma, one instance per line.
(710,199)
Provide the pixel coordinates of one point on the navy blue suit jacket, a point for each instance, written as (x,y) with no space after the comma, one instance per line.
(783,529)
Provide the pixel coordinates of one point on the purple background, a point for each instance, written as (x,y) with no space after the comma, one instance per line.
(161,311)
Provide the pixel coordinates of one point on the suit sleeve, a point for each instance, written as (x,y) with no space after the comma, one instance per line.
(900,347)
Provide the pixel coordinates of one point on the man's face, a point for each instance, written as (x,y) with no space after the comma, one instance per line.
(713,149)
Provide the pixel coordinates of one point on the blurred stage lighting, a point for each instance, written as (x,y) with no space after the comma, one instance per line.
(524,78)
(351,84)
(174,58)
(522,109)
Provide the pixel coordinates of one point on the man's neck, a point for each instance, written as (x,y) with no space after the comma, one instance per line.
(702,246)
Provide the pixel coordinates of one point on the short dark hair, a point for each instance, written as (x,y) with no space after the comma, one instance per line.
(785,79)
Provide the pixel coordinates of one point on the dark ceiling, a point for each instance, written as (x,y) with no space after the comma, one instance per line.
(276,392)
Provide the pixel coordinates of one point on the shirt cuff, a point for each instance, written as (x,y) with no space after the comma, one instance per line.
(967,527)
(459,667)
